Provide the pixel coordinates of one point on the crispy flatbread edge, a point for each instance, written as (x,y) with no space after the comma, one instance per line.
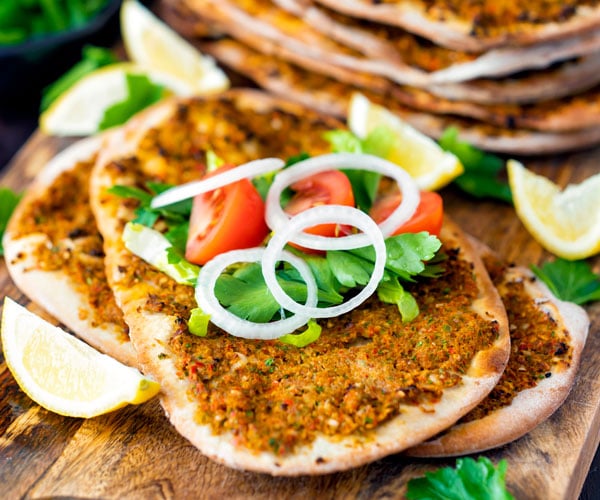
(479,134)
(324,455)
(150,333)
(531,406)
(53,290)
(494,63)
(455,33)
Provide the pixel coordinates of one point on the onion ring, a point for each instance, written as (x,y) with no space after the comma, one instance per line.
(239,327)
(325,214)
(277,219)
(191,189)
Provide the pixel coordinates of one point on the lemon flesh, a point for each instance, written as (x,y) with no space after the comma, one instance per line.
(152,44)
(64,374)
(565,222)
(430,166)
(79,110)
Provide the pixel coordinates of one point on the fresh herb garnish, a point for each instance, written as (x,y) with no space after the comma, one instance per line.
(482,170)
(141,93)
(469,480)
(176,216)
(378,142)
(8,201)
(92,59)
(573,281)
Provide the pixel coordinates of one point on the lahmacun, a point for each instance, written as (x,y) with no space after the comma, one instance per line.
(261,405)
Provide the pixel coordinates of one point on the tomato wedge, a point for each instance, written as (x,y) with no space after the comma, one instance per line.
(331,187)
(428,216)
(228,218)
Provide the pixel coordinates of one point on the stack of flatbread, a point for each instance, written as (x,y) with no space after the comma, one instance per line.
(512,78)
(491,355)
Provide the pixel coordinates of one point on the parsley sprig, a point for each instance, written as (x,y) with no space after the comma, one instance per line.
(573,281)
(245,293)
(469,480)
(175,216)
(481,178)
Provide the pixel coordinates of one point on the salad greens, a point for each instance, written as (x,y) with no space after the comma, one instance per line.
(21,20)
(8,202)
(572,281)
(141,93)
(469,480)
(378,143)
(482,170)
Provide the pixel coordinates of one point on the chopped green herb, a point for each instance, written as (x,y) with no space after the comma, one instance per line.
(573,281)
(482,170)
(8,201)
(469,480)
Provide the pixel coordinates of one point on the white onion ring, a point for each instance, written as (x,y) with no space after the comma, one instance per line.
(191,189)
(277,219)
(234,325)
(325,214)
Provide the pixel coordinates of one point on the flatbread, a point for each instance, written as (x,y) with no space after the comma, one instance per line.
(557,115)
(547,337)
(54,253)
(477,27)
(443,65)
(330,96)
(317,53)
(240,125)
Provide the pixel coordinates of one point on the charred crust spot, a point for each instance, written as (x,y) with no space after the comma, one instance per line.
(78,232)
(320,461)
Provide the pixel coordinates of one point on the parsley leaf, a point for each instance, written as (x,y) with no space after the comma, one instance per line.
(378,142)
(8,202)
(573,281)
(480,178)
(245,294)
(141,92)
(470,480)
(406,257)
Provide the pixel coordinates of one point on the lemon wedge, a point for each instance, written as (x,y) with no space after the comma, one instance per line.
(64,374)
(565,222)
(152,44)
(80,109)
(430,166)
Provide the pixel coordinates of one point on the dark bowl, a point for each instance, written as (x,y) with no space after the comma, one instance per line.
(28,67)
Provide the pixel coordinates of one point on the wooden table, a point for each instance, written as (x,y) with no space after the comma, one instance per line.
(135,454)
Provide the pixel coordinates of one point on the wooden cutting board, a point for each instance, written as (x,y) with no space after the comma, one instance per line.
(135,454)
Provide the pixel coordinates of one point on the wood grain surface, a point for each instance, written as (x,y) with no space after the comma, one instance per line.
(135,454)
